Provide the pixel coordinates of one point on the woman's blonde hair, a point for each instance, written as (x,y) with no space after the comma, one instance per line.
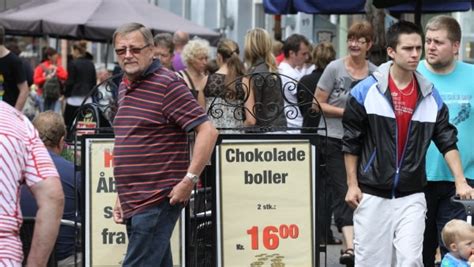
(193,49)
(258,45)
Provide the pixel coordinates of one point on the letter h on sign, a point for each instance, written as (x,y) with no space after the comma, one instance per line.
(108,158)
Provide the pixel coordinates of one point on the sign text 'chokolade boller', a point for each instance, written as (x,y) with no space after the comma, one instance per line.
(256,155)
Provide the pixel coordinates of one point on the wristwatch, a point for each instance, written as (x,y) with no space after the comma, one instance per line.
(193,177)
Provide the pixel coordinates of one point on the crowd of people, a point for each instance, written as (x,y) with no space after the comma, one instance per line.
(397,136)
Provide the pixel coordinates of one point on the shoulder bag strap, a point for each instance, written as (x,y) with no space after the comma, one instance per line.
(190,80)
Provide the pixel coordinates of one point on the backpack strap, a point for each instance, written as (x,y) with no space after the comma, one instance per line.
(45,69)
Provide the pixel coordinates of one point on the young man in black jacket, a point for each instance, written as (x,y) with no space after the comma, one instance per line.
(389,121)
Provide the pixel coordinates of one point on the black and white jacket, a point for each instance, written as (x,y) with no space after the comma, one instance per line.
(370,132)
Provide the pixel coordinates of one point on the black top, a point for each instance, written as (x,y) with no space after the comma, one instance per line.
(11,74)
(216,87)
(225,103)
(268,97)
(28,70)
(306,88)
(81,77)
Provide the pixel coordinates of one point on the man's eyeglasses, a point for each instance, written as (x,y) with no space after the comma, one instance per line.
(133,50)
(356,41)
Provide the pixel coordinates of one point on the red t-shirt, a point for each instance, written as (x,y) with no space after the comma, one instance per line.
(404,101)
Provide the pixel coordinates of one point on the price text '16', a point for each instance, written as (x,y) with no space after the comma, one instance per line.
(271,235)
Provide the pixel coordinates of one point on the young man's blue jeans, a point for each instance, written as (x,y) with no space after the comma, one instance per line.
(149,234)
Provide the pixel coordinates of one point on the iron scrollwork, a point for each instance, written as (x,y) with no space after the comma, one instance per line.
(265,86)
(231,102)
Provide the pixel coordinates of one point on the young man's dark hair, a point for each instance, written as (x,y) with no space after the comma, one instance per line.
(401,27)
(293,42)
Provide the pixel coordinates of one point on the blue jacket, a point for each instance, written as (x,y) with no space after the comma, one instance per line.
(370,132)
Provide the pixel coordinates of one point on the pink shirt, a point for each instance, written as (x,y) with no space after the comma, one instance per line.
(23,159)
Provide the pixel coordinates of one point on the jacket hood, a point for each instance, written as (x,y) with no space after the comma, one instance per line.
(382,72)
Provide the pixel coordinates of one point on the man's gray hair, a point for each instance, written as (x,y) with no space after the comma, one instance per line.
(131,27)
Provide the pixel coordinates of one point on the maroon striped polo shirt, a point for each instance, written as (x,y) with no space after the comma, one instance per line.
(151,152)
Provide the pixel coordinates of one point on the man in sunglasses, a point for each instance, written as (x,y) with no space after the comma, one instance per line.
(151,156)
